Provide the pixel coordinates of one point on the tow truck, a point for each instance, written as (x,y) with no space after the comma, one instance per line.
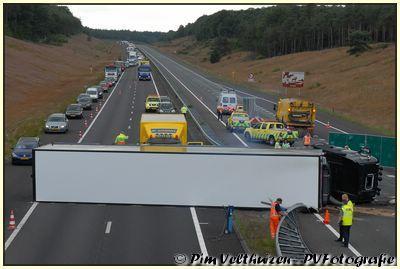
(269,131)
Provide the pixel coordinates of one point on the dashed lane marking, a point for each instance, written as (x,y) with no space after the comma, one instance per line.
(392,176)
(108,227)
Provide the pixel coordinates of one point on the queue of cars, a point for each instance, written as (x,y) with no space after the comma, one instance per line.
(59,122)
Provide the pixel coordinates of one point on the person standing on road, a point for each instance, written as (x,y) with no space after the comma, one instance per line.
(275,215)
(345,220)
(278,145)
(285,144)
(307,140)
(219,114)
(121,139)
(184,110)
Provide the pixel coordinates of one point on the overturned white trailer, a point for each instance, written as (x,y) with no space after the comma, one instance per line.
(188,176)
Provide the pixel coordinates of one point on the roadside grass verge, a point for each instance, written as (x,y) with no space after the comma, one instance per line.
(253,227)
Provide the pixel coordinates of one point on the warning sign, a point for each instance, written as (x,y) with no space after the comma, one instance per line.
(293,79)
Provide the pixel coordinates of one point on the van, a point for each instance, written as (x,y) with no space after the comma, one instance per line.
(93,93)
(227,102)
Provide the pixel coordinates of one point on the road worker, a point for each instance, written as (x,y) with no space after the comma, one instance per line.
(121,139)
(219,114)
(307,140)
(275,215)
(345,220)
(184,110)
(285,144)
(278,145)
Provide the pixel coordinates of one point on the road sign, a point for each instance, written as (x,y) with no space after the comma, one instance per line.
(293,79)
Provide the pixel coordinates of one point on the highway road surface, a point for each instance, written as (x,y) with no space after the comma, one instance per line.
(59,233)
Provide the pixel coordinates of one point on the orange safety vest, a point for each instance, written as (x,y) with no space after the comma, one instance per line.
(272,213)
(307,140)
(121,143)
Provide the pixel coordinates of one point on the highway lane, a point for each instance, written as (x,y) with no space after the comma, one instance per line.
(201,93)
(74,233)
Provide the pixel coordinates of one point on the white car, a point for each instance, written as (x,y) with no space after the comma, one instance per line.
(93,93)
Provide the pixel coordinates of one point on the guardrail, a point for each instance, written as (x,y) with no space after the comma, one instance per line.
(288,240)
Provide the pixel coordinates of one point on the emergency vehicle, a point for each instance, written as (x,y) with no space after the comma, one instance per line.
(227,102)
(152,102)
(238,121)
(270,132)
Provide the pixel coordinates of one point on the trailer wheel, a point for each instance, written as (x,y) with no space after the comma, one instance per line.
(271,140)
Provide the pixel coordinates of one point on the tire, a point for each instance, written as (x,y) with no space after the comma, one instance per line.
(247,136)
(271,140)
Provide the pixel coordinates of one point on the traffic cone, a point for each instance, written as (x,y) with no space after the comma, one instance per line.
(80,133)
(11,225)
(328,125)
(327,217)
(91,115)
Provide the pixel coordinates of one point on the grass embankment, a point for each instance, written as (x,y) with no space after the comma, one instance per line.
(43,79)
(253,227)
(359,89)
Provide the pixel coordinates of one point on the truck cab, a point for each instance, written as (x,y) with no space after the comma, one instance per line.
(296,113)
(111,71)
(227,102)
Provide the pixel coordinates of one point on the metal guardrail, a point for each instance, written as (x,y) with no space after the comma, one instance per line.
(289,242)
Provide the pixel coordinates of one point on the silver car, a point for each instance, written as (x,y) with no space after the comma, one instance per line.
(56,123)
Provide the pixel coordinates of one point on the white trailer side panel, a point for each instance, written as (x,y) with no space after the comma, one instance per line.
(175,178)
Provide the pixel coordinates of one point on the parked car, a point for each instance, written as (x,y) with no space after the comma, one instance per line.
(56,123)
(74,111)
(104,85)
(85,101)
(22,151)
(93,93)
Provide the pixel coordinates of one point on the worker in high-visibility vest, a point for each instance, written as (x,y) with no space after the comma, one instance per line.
(121,139)
(345,220)
(307,140)
(274,216)
(184,110)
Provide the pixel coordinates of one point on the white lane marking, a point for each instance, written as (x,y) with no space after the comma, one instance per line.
(249,94)
(131,112)
(101,109)
(155,86)
(20,225)
(352,249)
(199,234)
(392,176)
(129,127)
(203,223)
(130,119)
(108,227)
(190,112)
(215,115)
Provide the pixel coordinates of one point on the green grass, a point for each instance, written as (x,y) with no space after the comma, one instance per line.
(276,69)
(253,227)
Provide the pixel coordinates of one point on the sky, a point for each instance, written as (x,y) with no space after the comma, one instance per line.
(145,17)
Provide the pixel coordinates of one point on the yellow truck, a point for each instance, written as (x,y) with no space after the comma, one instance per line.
(296,114)
(144,62)
(163,129)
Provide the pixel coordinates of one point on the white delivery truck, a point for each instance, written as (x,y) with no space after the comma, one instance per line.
(187,176)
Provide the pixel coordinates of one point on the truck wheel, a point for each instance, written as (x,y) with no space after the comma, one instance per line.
(271,141)
(247,137)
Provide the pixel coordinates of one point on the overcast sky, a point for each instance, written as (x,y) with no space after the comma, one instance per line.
(145,17)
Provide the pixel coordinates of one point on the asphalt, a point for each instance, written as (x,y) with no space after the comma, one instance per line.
(59,233)
(201,90)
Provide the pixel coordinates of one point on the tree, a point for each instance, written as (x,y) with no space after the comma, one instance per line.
(359,42)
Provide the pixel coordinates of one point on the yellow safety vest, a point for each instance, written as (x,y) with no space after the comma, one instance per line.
(347,210)
(183,110)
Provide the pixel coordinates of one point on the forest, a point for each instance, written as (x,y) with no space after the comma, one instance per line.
(145,37)
(285,29)
(40,22)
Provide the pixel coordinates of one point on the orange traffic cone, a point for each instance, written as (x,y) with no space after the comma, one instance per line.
(327,217)
(328,125)
(11,225)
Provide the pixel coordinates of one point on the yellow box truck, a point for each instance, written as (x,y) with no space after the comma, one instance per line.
(163,129)
(296,114)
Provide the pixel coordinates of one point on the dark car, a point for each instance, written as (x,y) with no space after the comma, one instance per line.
(74,111)
(166,107)
(85,102)
(22,152)
(164,99)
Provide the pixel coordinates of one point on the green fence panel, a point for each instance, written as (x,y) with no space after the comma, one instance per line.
(388,152)
(383,148)
(374,143)
(338,140)
(355,142)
